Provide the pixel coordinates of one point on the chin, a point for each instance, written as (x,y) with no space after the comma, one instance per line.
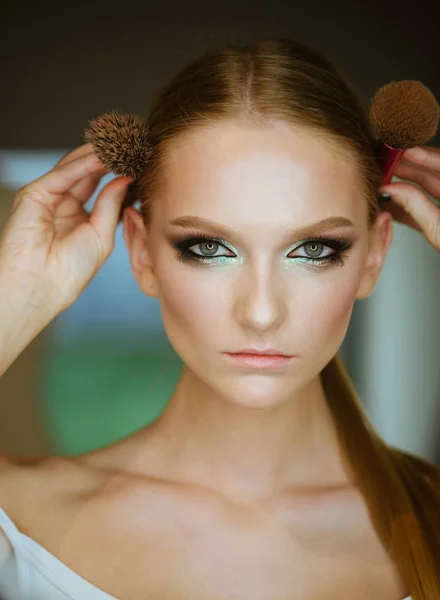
(256,390)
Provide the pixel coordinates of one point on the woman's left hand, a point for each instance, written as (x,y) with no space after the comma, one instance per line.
(411,205)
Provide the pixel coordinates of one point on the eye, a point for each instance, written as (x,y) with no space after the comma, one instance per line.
(315,258)
(208,249)
(211,248)
(315,251)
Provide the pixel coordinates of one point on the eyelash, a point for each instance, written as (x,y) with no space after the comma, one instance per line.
(338,245)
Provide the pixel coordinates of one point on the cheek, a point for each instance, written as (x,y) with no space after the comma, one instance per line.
(340,307)
(195,303)
(330,311)
(191,302)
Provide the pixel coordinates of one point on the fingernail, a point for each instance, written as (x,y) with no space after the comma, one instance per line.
(384,196)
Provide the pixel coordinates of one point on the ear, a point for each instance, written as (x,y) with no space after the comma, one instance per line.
(379,241)
(136,240)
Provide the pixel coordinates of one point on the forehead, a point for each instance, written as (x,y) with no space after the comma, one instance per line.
(235,169)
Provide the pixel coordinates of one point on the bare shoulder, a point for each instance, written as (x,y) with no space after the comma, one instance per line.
(27,484)
(31,486)
(12,470)
(5,460)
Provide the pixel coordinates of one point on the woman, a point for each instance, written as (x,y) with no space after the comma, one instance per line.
(259,228)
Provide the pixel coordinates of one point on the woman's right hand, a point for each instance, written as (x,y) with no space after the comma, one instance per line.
(51,247)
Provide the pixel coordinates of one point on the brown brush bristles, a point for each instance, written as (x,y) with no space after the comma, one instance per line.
(120,141)
(404,114)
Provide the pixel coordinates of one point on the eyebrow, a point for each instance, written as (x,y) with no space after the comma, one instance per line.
(305,231)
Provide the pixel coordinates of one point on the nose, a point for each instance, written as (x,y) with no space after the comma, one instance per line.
(261,302)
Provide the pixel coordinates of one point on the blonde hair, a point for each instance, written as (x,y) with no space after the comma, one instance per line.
(285,80)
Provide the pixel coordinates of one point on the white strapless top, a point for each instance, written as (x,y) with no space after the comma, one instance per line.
(30,572)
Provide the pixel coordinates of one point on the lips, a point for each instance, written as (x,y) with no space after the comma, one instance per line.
(262,352)
(258,361)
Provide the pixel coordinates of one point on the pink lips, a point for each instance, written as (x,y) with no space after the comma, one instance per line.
(264,351)
(259,360)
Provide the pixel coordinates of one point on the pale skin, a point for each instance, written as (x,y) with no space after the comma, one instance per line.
(240,482)
(222,419)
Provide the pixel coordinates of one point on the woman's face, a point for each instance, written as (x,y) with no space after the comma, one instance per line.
(259,279)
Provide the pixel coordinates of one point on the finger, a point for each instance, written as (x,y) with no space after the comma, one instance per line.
(429,180)
(417,205)
(427,157)
(82,190)
(105,213)
(49,188)
(400,215)
(433,148)
(75,153)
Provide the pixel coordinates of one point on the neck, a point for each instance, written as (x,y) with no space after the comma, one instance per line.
(245,453)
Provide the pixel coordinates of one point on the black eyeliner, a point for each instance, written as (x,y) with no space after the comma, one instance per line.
(339,246)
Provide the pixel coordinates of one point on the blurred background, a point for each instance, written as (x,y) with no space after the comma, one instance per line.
(104,367)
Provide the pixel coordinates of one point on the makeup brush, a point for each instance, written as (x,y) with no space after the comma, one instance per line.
(404,114)
(120,142)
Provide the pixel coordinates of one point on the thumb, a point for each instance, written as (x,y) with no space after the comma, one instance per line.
(419,208)
(105,214)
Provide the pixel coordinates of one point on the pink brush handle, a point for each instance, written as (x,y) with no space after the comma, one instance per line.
(388,158)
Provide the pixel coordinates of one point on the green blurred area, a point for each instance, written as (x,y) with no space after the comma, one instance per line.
(93,394)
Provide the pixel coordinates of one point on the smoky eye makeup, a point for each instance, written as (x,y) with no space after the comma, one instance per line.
(210,246)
